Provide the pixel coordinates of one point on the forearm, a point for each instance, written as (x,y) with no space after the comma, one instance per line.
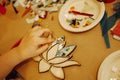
(33,43)
(8,61)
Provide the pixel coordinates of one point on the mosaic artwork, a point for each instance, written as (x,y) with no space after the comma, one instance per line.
(56,58)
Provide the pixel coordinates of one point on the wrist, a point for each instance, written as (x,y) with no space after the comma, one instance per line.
(21,53)
(12,58)
(16,54)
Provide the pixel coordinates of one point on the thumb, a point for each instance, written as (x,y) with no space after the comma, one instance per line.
(42,49)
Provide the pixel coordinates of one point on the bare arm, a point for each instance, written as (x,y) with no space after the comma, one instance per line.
(32,45)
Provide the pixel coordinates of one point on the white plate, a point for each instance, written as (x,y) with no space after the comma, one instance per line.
(106,69)
(86,6)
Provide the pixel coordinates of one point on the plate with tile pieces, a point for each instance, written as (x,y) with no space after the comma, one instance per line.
(81,15)
(110,67)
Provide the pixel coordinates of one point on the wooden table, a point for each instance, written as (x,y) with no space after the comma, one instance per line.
(90,52)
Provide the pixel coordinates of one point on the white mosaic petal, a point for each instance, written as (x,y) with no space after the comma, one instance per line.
(57,72)
(67,50)
(52,52)
(43,66)
(44,55)
(61,45)
(67,63)
(58,60)
(37,58)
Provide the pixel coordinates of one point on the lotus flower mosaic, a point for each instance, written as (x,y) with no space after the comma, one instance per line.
(56,57)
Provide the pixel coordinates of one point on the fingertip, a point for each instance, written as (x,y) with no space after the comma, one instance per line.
(36,28)
(36,24)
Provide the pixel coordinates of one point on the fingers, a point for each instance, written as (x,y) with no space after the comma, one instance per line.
(47,41)
(35,42)
(41,32)
(42,49)
(43,35)
(36,28)
(42,41)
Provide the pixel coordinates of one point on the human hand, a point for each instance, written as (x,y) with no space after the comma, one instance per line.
(35,42)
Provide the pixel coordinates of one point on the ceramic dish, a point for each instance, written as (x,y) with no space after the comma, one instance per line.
(110,67)
(87,8)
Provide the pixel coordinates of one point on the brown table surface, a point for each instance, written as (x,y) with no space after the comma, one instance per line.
(90,51)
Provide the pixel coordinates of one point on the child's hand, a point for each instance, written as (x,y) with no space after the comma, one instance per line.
(35,42)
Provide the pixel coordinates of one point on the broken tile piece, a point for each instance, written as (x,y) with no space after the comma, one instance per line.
(59,54)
